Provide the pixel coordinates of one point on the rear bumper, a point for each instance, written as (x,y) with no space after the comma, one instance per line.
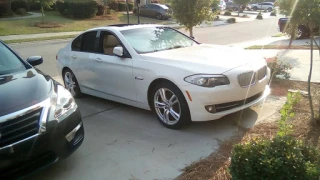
(42,150)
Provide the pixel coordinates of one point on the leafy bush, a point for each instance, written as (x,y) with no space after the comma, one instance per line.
(273,13)
(3,9)
(259,16)
(131,6)
(231,20)
(227,13)
(61,7)
(84,9)
(278,67)
(101,10)
(21,11)
(35,6)
(122,6)
(279,158)
(15,5)
(113,4)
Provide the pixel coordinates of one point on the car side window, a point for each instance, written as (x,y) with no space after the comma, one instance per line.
(76,44)
(108,42)
(89,41)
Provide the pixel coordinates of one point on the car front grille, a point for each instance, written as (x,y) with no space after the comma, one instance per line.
(231,105)
(262,73)
(19,128)
(247,79)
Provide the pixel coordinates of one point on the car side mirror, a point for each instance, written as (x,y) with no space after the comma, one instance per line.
(35,60)
(118,51)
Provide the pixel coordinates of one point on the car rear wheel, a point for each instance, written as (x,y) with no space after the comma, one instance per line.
(71,83)
(255,8)
(269,9)
(159,16)
(170,106)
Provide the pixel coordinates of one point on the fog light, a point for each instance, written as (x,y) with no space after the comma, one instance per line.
(211,108)
(71,134)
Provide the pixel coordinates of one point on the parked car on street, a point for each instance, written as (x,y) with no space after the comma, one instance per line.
(233,6)
(302,31)
(158,11)
(263,6)
(40,122)
(158,68)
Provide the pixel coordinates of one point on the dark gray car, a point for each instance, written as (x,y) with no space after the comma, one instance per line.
(158,11)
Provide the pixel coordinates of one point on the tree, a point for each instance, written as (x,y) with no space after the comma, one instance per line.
(307,13)
(192,12)
(241,3)
(45,4)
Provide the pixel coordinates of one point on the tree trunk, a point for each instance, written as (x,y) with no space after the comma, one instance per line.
(127,6)
(291,38)
(9,7)
(239,10)
(191,32)
(309,78)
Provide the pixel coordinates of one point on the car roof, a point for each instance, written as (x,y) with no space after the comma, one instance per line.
(121,27)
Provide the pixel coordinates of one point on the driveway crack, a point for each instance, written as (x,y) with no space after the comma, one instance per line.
(100,112)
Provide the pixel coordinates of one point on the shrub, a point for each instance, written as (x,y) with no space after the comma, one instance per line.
(273,13)
(15,5)
(21,11)
(279,158)
(131,6)
(259,16)
(84,9)
(231,20)
(122,6)
(61,7)
(227,13)
(113,4)
(278,67)
(3,9)
(101,10)
(35,6)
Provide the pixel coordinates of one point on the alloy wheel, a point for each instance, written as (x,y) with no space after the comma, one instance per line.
(159,16)
(167,106)
(70,83)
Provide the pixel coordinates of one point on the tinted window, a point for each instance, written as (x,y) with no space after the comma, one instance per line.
(89,41)
(9,62)
(76,44)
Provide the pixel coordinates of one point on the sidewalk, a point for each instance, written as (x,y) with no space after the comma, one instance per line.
(32,15)
(300,59)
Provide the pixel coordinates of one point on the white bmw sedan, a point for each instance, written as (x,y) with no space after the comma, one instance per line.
(158,68)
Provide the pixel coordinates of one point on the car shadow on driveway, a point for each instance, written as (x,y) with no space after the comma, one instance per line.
(122,142)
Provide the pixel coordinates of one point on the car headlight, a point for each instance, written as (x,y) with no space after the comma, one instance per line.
(207,80)
(62,103)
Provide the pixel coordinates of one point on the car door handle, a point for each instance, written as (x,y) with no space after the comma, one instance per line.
(98,60)
(74,57)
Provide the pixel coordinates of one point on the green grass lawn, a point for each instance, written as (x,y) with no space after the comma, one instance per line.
(26,26)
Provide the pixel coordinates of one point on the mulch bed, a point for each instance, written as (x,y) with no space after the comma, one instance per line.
(47,24)
(215,166)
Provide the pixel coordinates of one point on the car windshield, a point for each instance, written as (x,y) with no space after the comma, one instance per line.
(153,39)
(9,62)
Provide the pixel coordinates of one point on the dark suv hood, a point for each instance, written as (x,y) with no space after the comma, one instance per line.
(23,89)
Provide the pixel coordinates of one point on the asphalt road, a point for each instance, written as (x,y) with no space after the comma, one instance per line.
(222,35)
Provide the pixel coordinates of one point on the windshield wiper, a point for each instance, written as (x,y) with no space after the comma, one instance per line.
(175,47)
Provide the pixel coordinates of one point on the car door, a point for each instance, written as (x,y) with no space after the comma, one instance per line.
(143,10)
(83,52)
(114,73)
(153,10)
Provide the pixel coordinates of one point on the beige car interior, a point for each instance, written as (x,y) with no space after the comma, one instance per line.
(109,43)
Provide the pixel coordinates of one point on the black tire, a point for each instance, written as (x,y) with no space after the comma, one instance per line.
(255,8)
(159,16)
(184,118)
(77,92)
(269,9)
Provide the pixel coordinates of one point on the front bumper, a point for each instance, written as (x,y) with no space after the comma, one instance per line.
(199,97)
(43,149)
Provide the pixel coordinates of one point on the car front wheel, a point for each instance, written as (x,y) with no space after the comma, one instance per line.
(71,83)
(159,16)
(170,106)
(255,8)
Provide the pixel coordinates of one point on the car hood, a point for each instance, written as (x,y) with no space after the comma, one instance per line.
(206,58)
(23,89)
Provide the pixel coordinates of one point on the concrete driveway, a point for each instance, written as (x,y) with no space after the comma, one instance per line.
(122,142)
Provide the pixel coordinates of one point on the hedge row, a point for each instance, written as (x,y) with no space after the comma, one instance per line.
(119,6)
(78,9)
(33,6)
